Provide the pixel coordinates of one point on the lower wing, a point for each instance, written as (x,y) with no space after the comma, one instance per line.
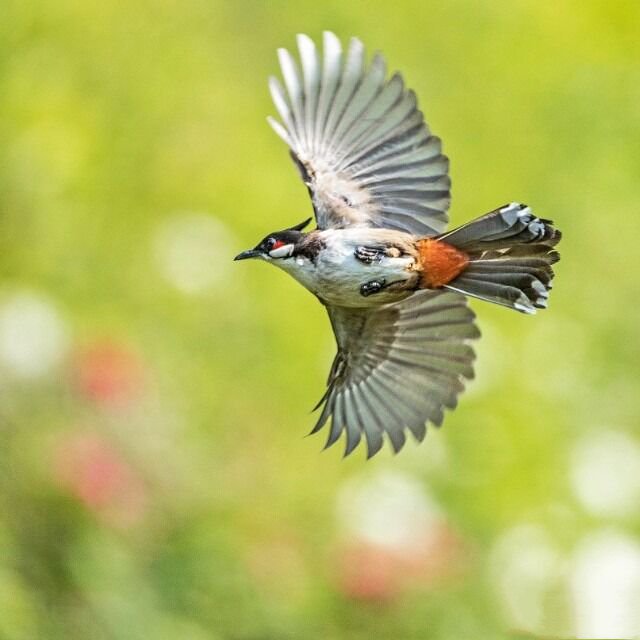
(397,367)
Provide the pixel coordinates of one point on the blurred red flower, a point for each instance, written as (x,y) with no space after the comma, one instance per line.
(381,573)
(97,475)
(108,373)
(369,572)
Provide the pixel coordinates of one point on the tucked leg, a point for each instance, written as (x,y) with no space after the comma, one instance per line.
(369,255)
(371,287)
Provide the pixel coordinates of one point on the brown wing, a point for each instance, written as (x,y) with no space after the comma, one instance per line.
(397,367)
(361,144)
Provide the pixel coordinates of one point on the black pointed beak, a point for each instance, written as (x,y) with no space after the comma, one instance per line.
(245,255)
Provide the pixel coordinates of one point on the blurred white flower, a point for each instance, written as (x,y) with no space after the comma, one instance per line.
(605,474)
(33,335)
(605,586)
(194,252)
(394,536)
(524,565)
(389,509)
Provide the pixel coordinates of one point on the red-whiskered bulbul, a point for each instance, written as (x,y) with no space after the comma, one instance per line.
(394,283)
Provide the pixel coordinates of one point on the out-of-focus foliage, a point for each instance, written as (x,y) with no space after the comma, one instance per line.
(155,481)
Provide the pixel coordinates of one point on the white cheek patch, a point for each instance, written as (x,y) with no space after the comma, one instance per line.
(282,252)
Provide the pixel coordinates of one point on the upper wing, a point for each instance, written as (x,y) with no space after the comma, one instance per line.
(361,144)
(397,367)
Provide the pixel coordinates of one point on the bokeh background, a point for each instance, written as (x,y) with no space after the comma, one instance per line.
(154,477)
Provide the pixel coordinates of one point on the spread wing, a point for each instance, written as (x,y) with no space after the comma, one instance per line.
(361,144)
(397,367)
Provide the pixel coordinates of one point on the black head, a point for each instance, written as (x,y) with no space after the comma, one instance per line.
(277,245)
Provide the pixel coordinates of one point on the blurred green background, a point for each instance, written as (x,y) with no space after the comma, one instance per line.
(155,481)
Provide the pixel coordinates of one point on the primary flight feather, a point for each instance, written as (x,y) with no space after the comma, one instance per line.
(393,282)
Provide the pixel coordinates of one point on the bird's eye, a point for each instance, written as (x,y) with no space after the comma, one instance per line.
(272,244)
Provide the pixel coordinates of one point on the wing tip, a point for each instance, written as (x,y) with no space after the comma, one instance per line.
(303,40)
(331,45)
(280,130)
(356,44)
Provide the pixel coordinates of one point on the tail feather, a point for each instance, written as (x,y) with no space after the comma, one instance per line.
(536,267)
(515,222)
(510,256)
(523,295)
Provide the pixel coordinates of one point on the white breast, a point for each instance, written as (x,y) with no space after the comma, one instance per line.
(337,275)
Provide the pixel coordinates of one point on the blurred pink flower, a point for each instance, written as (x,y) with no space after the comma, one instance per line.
(395,537)
(97,475)
(369,572)
(109,373)
(380,573)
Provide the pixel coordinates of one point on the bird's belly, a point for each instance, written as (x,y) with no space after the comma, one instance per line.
(338,277)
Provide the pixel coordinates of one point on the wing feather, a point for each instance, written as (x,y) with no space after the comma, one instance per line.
(369,86)
(284,109)
(368,417)
(397,368)
(331,70)
(379,394)
(311,75)
(295,91)
(360,141)
(351,420)
(349,81)
(337,420)
(366,131)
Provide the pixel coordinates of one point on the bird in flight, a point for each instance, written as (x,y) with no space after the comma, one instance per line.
(393,281)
